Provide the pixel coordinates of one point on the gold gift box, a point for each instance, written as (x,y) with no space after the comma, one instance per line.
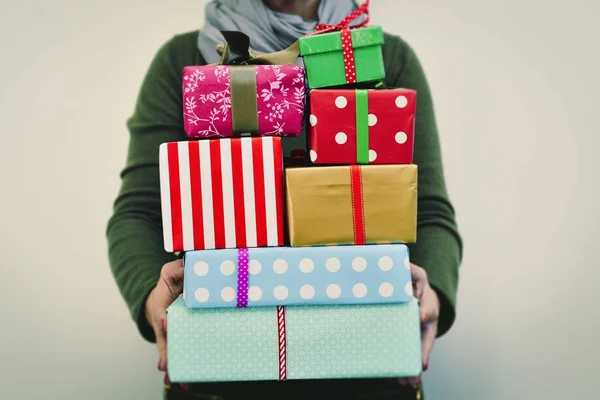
(319,204)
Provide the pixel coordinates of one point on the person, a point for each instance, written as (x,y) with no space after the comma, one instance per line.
(149,278)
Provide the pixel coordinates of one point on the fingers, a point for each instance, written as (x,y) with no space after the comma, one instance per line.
(419,280)
(430,306)
(428,313)
(428,334)
(410,381)
(161,342)
(430,310)
(171,275)
(172,270)
(168,288)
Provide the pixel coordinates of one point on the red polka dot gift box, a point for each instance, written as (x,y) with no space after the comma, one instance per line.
(364,126)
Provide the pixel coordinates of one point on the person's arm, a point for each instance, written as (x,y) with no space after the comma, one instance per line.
(134,232)
(438,249)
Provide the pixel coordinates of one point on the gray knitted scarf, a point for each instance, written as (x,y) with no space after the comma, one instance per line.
(269,30)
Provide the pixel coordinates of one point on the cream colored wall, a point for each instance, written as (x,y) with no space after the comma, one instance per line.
(516,89)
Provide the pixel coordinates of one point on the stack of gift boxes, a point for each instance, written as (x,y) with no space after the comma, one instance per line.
(294,272)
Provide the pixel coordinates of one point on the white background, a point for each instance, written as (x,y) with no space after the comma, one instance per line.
(516,86)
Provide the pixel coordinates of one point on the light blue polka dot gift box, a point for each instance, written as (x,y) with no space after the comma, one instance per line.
(297,342)
(327,275)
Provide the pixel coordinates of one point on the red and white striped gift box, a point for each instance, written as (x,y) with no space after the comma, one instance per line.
(220,194)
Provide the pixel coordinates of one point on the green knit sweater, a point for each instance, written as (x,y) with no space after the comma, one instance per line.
(134,231)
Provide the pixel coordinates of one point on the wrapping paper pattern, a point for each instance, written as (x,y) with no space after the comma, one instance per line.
(221,193)
(388,131)
(299,276)
(207,100)
(338,341)
(324,57)
(321,211)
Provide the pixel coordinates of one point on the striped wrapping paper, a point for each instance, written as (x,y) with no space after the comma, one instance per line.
(220,194)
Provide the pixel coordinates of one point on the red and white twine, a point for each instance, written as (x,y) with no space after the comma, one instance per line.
(282,343)
(348,53)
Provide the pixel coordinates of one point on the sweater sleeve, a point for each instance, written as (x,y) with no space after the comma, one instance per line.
(439,245)
(134,231)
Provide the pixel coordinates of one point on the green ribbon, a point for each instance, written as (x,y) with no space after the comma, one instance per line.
(362,126)
(243,99)
(236,53)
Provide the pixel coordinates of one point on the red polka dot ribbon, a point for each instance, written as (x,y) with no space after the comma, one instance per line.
(348,53)
(344,27)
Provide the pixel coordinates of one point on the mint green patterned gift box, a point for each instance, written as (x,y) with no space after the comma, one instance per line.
(295,342)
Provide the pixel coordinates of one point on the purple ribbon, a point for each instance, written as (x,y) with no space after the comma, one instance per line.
(242,280)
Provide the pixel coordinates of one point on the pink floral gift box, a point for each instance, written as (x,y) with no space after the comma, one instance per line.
(256,100)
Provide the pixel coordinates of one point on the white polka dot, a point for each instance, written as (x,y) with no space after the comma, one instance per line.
(341,138)
(280,292)
(312,119)
(307,292)
(408,289)
(401,137)
(313,155)
(332,264)
(372,119)
(280,266)
(227,267)
(359,264)
(228,293)
(201,268)
(307,265)
(201,294)
(372,155)
(401,101)
(385,263)
(254,267)
(386,289)
(254,293)
(407,263)
(333,291)
(359,290)
(341,102)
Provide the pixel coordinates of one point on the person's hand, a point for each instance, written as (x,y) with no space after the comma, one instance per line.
(169,286)
(429,313)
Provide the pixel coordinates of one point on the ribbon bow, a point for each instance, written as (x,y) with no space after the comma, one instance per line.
(345,23)
(236,51)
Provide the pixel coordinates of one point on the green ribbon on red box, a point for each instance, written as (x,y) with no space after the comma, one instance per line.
(344,27)
(236,52)
(362,126)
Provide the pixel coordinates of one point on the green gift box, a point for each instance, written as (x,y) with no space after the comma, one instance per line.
(324,58)
(295,342)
